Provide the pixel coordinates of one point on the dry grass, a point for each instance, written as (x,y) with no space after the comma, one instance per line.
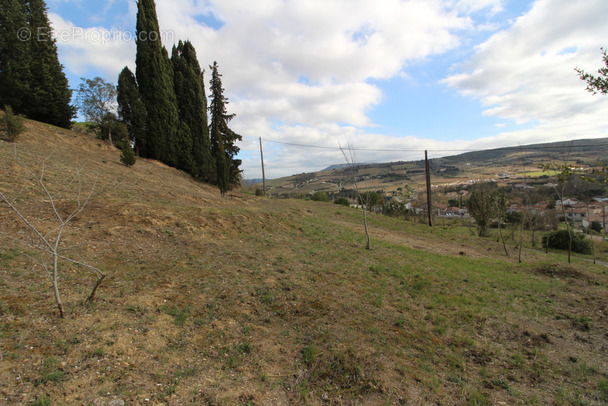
(248,301)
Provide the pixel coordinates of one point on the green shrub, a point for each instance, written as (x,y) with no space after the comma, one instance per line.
(127,156)
(514,217)
(343,201)
(309,353)
(11,125)
(559,240)
(369,199)
(319,197)
(393,208)
(596,226)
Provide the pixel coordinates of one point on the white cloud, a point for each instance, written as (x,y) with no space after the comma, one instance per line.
(526,72)
(294,69)
(302,71)
(297,70)
(103,49)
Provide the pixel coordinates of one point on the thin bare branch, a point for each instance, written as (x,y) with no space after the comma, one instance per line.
(32,227)
(40,182)
(84,264)
(50,244)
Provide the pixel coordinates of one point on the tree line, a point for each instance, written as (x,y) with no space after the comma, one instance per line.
(164,107)
(32,81)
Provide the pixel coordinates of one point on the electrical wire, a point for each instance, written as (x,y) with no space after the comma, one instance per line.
(517,148)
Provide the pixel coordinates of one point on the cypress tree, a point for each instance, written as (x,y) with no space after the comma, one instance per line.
(204,165)
(184,134)
(155,78)
(15,57)
(132,110)
(192,104)
(223,139)
(49,90)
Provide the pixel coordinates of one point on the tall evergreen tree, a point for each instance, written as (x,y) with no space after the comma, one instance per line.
(223,139)
(15,57)
(132,110)
(183,94)
(192,104)
(49,90)
(155,79)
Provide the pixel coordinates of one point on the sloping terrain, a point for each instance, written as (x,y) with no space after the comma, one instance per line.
(249,301)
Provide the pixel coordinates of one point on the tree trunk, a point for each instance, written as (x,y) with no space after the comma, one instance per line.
(365,225)
(521,240)
(56,286)
(504,246)
(92,294)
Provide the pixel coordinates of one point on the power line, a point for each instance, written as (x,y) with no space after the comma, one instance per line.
(522,147)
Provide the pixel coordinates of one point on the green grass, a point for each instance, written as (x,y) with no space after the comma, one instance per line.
(179,315)
(42,400)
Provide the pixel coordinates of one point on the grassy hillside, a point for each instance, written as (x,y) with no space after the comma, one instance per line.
(249,301)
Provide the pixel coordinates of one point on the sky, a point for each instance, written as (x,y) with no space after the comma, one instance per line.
(386,79)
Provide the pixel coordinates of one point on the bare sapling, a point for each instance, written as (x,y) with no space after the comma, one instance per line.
(501,208)
(47,239)
(363,198)
(526,202)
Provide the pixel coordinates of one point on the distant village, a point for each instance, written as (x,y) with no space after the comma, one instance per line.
(534,198)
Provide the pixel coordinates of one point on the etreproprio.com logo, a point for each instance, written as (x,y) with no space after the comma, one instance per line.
(77,34)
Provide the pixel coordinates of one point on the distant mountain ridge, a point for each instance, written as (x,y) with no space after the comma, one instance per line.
(252,181)
(336,166)
(491,163)
(560,148)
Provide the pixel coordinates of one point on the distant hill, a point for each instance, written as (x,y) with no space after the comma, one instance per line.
(493,163)
(249,182)
(589,148)
(337,166)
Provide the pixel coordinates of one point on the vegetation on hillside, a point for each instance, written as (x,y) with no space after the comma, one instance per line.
(11,125)
(263,301)
(165,108)
(223,139)
(255,301)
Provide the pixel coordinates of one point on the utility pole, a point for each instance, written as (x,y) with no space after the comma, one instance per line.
(604,223)
(428,188)
(263,174)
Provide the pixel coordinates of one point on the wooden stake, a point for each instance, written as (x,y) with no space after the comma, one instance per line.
(428,188)
(263,173)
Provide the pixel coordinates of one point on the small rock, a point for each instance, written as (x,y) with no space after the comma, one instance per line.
(116,402)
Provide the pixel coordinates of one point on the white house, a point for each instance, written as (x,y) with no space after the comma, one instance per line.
(567,202)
